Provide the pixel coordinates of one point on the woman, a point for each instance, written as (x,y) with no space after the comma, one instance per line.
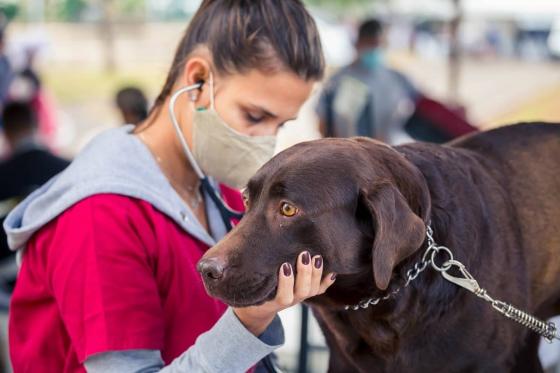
(108,280)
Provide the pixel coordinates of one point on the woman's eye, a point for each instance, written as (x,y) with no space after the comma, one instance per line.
(288,210)
(254,118)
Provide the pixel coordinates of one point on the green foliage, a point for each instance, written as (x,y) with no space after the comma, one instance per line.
(130,8)
(74,10)
(69,10)
(341,6)
(9,10)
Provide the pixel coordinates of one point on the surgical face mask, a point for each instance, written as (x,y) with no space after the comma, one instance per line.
(223,153)
(371,58)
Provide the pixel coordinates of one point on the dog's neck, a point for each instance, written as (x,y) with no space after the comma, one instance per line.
(414,309)
(393,320)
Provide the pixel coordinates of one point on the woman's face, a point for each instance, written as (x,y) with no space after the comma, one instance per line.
(257,103)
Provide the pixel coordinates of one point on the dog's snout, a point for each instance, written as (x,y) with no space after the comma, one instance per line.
(211,268)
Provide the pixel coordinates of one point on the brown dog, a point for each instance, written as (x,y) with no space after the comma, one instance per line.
(493,198)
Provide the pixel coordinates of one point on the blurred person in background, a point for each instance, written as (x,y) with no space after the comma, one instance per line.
(29,166)
(108,281)
(6,74)
(26,86)
(132,105)
(367,98)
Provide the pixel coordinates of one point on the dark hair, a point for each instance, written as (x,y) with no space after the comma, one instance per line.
(17,118)
(369,29)
(131,100)
(247,34)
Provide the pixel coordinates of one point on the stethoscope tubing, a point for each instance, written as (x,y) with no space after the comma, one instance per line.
(227,214)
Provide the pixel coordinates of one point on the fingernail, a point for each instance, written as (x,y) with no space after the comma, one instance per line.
(333,277)
(287,269)
(305,258)
(318,262)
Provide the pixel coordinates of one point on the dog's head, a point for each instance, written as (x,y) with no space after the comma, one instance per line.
(356,202)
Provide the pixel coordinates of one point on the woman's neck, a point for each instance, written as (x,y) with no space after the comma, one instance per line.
(158,134)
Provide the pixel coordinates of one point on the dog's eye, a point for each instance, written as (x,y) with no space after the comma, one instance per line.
(288,210)
(245,201)
(245,197)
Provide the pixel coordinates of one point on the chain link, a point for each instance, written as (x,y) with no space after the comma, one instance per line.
(411,274)
(546,329)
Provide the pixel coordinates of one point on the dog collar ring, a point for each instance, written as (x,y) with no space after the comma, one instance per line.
(547,330)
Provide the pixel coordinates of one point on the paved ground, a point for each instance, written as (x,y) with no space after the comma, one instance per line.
(494,91)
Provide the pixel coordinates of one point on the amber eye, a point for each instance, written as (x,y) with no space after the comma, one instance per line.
(288,210)
(245,201)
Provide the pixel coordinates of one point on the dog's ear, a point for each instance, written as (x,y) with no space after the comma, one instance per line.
(399,232)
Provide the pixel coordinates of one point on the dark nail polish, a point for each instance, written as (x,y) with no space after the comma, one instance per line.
(333,276)
(287,269)
(318,262)
(305,258)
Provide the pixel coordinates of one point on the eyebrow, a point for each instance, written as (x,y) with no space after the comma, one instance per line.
(278,189)
(252,187)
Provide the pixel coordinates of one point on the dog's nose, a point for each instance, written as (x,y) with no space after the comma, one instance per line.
(211,268)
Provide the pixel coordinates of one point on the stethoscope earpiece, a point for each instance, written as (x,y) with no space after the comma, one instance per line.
(226,213)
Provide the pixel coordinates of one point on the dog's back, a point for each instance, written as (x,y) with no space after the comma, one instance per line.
(526,158)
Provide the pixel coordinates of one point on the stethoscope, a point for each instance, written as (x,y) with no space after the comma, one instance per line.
(227,214)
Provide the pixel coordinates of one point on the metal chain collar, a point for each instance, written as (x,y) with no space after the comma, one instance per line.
(545,329)
(411,274)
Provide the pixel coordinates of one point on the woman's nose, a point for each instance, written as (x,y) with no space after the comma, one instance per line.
(211,268)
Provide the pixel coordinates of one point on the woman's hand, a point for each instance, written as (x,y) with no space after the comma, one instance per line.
(290,291)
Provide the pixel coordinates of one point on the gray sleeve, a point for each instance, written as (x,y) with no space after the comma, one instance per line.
(227,347)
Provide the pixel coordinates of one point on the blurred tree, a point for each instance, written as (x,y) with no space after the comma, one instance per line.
(337,3)
(107,30)
(9,10)
(344,6)
(94,10)
(70,10)
(131,9)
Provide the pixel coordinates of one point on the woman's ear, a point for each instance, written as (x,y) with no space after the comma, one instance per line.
(197,70)
(399,232)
